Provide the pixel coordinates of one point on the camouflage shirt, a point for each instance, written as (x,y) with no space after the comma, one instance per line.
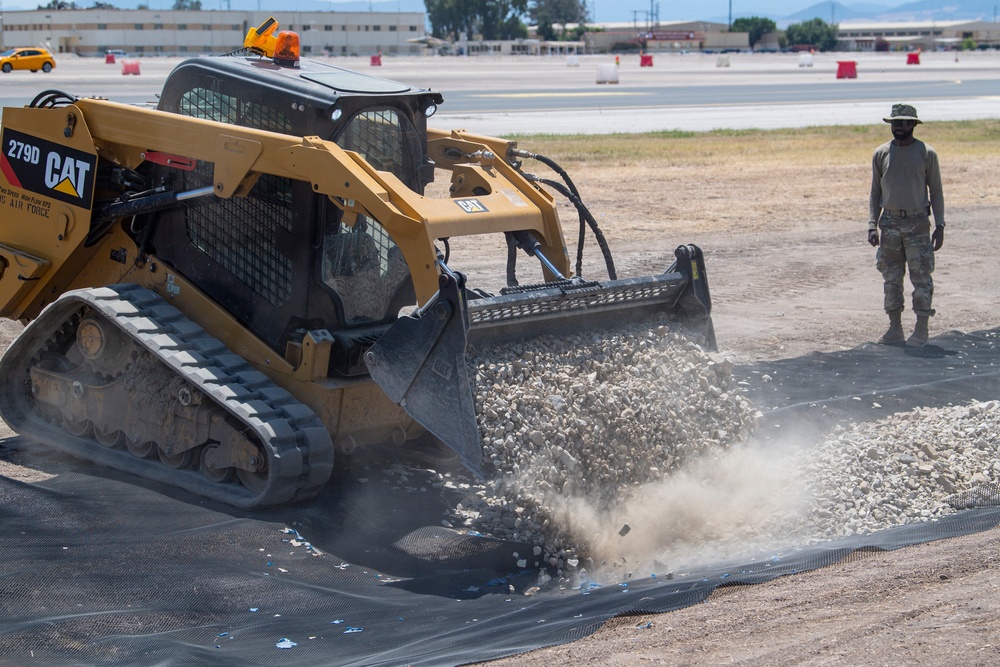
(905,178)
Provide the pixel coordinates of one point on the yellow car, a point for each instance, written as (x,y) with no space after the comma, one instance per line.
(33,58)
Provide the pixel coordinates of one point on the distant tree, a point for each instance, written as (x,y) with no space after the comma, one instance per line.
(577,33)
(493,19)
(816,32)
(756,26)
(449,19)
(544,28)
(558,11)
(102,5)
(58,5)
(500,19)
(187,4)
(514,28)
(968,44)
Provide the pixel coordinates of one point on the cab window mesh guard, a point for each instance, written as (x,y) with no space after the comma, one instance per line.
(239,233)
(385,140)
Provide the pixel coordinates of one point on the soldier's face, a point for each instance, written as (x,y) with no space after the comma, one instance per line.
(903,129)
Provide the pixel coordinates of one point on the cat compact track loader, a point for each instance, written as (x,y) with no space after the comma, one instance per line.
(222,291)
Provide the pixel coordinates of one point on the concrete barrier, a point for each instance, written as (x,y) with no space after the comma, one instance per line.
(607,73)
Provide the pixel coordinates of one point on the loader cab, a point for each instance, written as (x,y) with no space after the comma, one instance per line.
(281,259)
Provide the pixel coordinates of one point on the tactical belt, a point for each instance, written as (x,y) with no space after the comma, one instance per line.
(908,212)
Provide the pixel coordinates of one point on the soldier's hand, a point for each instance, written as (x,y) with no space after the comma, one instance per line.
(873,237)
(937,238)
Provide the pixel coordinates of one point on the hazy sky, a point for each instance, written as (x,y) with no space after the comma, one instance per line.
(614,10)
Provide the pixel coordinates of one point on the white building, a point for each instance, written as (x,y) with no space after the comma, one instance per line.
(90,32)
(913,35)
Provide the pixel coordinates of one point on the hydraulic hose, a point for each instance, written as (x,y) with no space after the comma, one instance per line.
(572,194)
(586,219)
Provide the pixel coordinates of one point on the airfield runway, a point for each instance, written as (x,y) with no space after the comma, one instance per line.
(560,95)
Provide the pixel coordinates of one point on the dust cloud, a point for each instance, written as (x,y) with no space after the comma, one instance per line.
(725,504)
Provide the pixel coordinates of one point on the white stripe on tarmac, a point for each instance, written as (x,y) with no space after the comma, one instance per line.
(706,118)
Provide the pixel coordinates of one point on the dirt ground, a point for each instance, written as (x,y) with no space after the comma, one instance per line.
(790,274)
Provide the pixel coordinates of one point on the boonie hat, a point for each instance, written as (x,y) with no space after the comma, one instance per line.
(903,112)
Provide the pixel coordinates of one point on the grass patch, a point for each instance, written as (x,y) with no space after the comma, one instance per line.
(955,143)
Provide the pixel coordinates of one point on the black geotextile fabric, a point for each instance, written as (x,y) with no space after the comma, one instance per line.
(99,569)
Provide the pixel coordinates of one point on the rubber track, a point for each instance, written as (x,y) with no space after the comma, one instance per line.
(300,451)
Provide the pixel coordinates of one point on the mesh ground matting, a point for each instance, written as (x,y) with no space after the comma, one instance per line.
(99,569)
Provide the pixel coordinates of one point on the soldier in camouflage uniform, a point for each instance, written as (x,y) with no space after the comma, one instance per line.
(906,189)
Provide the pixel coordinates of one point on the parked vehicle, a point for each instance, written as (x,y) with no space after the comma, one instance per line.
(33,58)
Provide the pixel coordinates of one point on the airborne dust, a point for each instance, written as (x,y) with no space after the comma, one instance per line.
(624,451)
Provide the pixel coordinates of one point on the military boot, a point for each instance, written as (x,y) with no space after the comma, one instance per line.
(895,335)
(919,336)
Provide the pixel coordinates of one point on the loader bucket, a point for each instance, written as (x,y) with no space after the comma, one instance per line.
(420,361)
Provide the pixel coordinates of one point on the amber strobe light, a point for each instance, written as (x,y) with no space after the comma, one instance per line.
(286,51)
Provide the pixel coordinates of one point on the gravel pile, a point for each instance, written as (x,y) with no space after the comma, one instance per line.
(573,425)
(912,466)
(585,432)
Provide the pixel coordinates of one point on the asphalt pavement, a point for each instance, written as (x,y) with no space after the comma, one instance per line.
(593,95)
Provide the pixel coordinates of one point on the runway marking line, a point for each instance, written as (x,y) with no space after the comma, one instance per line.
(581,94)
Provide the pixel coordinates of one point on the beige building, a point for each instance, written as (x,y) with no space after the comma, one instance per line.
(913,35)
(669,36)
(91,32)
(518,47)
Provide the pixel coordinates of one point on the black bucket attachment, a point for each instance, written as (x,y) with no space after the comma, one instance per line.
(420,364)
(420,361)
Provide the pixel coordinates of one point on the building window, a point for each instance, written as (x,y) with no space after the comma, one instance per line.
(157,26)
(328,28)
(182,26)
(183,48)
(102,26)
(139,26)
(236,27)
(367,28)
(306,48)
(413,28)
(377,28)
(392,28)
(140,48)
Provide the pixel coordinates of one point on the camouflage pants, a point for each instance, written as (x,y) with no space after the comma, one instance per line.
(905,243)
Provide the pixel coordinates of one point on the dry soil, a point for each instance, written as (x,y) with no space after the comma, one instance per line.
(791,273)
